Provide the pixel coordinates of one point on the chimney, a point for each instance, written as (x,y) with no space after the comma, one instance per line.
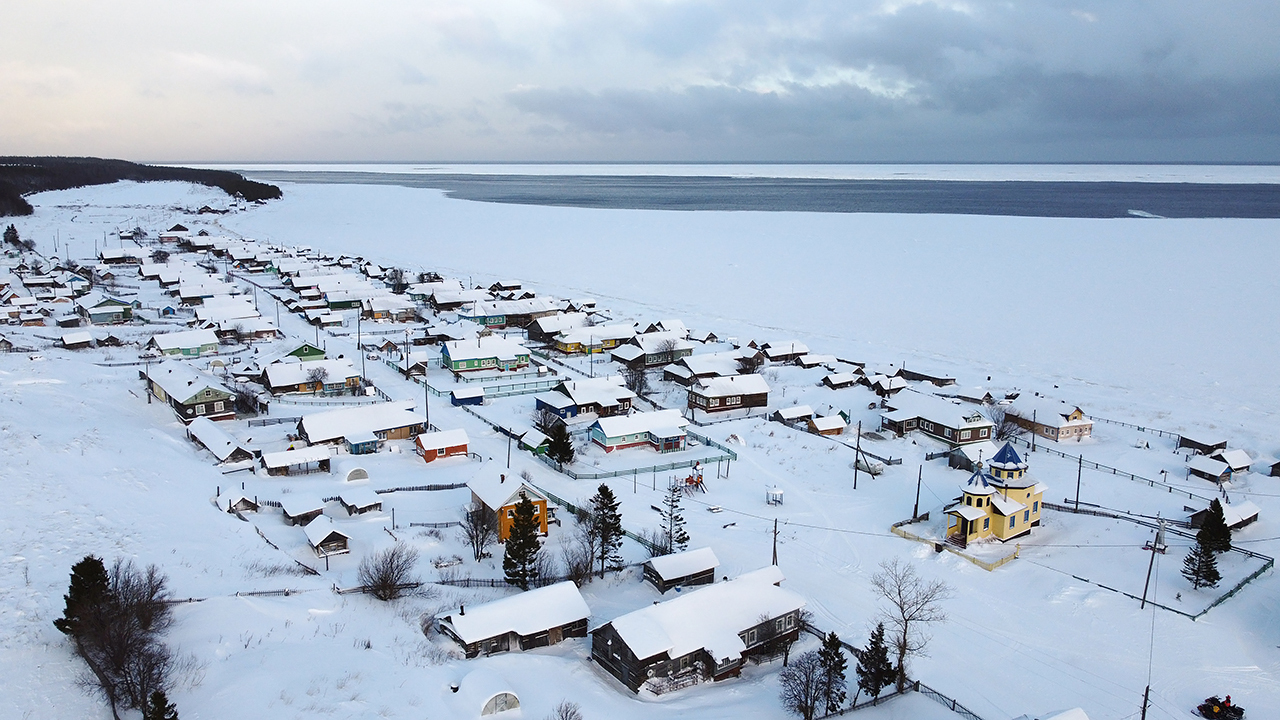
(462,609)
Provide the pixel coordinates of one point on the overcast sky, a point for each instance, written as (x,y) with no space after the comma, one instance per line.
(839,80)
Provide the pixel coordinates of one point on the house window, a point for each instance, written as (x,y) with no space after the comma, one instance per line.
(1013,521)
(791,621)
(967,499)
(986,523)
(1035,506)
(217,407)
(1026,516)
(439,452)
(777,624)
(964,434)
(751,637)
(200,409)
(715,402)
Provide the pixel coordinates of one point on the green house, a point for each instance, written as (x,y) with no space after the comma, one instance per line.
(484,353)
(307,351)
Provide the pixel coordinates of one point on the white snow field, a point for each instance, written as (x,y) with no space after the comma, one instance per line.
(1167,323)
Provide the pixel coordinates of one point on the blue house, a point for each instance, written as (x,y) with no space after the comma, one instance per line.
(467,396)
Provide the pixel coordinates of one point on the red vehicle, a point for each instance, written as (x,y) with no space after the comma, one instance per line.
(1214,708)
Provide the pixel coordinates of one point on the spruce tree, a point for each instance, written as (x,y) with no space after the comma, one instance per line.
(1214,533)
(677,540)
(520,563)
(11,235)
(1200,567)
(607,526)
(86,597)
(875,671)
(559,444)
(159,708)
(832,659)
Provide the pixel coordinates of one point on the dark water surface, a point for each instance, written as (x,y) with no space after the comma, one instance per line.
(1012,198)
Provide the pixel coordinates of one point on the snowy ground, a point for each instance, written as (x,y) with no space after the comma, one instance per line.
(91,467)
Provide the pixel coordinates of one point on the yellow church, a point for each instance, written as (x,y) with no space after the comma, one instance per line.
(1000,500)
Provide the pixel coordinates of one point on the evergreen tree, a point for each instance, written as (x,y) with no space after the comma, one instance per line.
(159,708)
(833,681)
(86,597)
(874,669)
(677,540)
(11,235)
(1200,567)
(1214,533)
(607,527)
(520,563)
(559,444)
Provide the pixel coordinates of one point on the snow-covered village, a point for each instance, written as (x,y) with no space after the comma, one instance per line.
(358,484)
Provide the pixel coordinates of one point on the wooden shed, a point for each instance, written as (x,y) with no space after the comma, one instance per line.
(692,567)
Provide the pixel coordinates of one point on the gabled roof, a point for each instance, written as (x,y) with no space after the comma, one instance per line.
(492,346)
(526,613)
(285,373)
(184,339)
(909,404)
(379,417)
(602,391)
(443,439)
(596,334)
(183,382)
(496,493)
(319,530)
(709,618)
(666,423)
(1005,506)
(731,385)
(684,564)
(1208,466)
(828,422)
(796,412)
(360,497)
(301,456)
(215,439)
(1239,460)
(295,504)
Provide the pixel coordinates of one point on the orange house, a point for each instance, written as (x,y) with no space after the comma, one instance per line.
(442,444)
(502,497)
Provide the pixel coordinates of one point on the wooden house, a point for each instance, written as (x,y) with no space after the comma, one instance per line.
(328,377)
(103,310)
(1275,466)
(300,461)
(682,569)
(217,441)
(792,415)
(711,631)
(387,421)
(829,425)
(1235,515)
(360,500)
(545,329)
(594,339)
(325,539)
(603,396)
(467,396)
(361,442)
(1049,419)
(77,340)
(1000,501)
(937,417)
(652,349)
(394,308)
(300,509)
(729,393)
(187,343)
(1238,460)
(502,497)
(537,618)
(238,503)
(784,352)
(967,457)
(662,430)
(935,380)
(446,443)
(1212,469)
(484,353)
(189,392)
(1201,445)
(839,381)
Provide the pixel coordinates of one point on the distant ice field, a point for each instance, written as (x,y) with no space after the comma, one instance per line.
(1018,191)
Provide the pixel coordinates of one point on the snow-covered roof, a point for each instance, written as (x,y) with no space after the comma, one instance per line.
(484,347)
(968,512)
(1006,458)
(183,382)
(979,451)
(811,359)
(218,441)
(476,690)
(295,504)
(732,385)
(602,391)
(720,363)
(184,339)
(596,334)
(79,337)
(785,347)
(1207,465)
(461,393)
(300,456)
(380,417)
(684,564)
(909,404)
(362,496)
(226,308)
(1005,506)
(846,378)
(320,529)
(561,322)
(708,618)
(828,422)
(527,613)
(796,412)
(443,439)
(1239,460)
(495,493)
(643,422)
(1236,513)
(292,371)
(979,483)
(663,341)
(1052,413)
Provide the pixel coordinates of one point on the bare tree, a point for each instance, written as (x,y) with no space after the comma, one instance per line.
(580,551)
(545,419)
(751,363)
(479,529)
(386,575)
(246,398)
(636,380)
(398,279)
(913,602)
(316,377)
(566,711)
(1007,427)
(160,257)
(801,685)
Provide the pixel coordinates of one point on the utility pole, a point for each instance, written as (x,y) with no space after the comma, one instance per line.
(857,455)
(1033,431)
(915,510)
(1157,546)
(508,450)
(426,395)
(775,541)
(1079,469)
(364,374)
(1146,695)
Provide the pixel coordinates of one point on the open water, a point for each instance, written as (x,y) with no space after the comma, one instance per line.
(1027,198)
